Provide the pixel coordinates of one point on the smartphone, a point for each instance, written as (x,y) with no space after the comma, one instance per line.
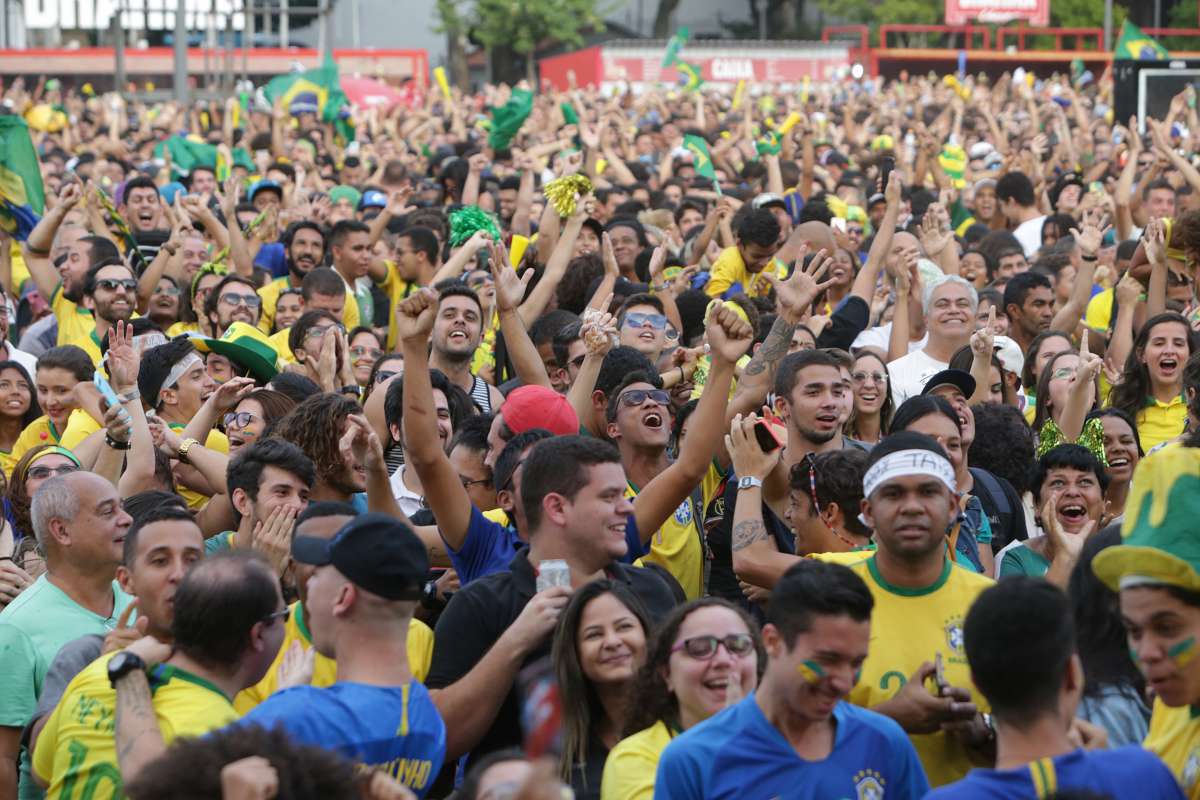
(939,674)
(541,709)
(105,388)
(886,165)
(765,437)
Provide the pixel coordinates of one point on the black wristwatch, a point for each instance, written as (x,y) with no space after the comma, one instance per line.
(429,597)
(123,663)
(115,444)
(351,390)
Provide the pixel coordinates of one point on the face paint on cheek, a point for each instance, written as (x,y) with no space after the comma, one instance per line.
(857,676)
(811,671)
(1181,653)
(1133,656)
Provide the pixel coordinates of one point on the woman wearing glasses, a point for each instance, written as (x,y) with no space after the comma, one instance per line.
(366,349)
(872,399)
(164,306)
(706,656)
(599,645)
(37,466)
(253,414)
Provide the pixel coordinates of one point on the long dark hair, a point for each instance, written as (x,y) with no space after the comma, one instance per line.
(1043,412)
(964,357)
(34,411)
(889,404)
(651,700)
(1130,394)
(1100,636)
(580,701)
(1028,376)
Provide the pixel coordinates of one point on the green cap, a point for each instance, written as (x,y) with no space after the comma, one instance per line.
(340,193)
(246,346)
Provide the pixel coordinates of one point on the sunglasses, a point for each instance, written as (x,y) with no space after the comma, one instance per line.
(360,351)
(239,419)
(112,284)
(635,397)
(247,300)
(384,374)
(636,319)
(855,231)
(171,290)
(319,331)
(705,647)
(467,483)
(41,473)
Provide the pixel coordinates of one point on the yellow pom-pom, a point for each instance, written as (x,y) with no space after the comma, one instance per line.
(562,193)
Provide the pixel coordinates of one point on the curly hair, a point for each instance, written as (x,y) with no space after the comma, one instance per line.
(303,771)
(16,498)
(1004,444)
(315,427)
(651,701)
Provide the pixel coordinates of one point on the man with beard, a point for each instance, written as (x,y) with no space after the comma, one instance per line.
(232,300)
(457,332)
(949,304)
(1029,303)
(62,287)
(304,246)
(109,292)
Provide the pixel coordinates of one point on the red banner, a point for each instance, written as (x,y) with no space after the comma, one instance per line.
(724,69)
(1033,12)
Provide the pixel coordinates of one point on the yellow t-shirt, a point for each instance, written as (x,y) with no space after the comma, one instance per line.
(676,546)
(730,268)
(1160,422)
(630,767)
(908,626)
(1174,736)
(76,751)
(270,296)
(215,441)
(80,425)
(40,431)
(180,328)
(396,288)
(1099,311)
(420,655)
(75,324)
(279,340)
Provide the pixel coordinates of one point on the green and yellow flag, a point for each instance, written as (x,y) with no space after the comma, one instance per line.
(321,87)
(701,159)
(22,198)
(187,153)
(690,76)
(1133,45)
(674,46)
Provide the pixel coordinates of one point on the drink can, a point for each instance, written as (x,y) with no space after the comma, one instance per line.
(554,572)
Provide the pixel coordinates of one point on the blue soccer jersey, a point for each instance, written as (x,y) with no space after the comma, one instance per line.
(1127,772)
(396,729)
(739,754)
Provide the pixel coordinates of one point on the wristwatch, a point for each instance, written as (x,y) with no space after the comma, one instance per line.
(122,664)
(749,482)
(116,444)
(184,447)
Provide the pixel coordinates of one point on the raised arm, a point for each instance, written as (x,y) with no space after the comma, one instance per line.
(1082,394)
(1156,253)
(510,288)
(881,245)
(37,247)
(1088,239)
(598,333)
(756,559)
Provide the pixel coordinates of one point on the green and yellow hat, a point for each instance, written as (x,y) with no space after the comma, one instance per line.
(1159,544)
(246,346)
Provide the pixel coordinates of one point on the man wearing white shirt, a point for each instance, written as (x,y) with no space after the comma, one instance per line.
(1018,203)
(949,304)
(905,248)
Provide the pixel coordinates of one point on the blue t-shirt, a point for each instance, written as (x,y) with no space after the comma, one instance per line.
(1126,772)
(396,729)
(739,754)
(273,258)
(490,547)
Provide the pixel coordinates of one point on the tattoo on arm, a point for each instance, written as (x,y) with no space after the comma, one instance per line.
(747,533)
(139,740)
(773,349)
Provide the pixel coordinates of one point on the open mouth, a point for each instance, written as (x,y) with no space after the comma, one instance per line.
(458,336)
(653,420)
(646,336)
(1072,512)
(1118,462)
(145,217)
(827,420)
(1168,365)
(868,397)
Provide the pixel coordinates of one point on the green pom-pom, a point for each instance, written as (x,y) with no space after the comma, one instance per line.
(467,220)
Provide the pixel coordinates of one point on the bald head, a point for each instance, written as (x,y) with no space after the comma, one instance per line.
(817,235)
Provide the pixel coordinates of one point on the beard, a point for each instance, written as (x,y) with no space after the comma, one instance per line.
(106,312)
(817,437)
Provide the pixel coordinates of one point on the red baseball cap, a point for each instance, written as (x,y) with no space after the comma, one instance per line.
(529,407)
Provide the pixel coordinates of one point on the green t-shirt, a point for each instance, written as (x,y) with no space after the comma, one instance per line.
(1023,560)
(220,543)
(33,628)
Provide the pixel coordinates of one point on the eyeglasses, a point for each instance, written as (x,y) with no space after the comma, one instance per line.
(861,377)
(317,331)
(855,231)
(239,419)
(41,473)
(384,374)
(705,647)
(283,615)
(361,352)
(168,289)
(247,300)
(468,483)
(636,319)
(479,283)
(112,284)
(635,397)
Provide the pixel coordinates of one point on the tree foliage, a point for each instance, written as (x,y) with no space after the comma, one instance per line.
(523,25)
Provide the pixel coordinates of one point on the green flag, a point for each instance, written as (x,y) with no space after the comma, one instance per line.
(508,118)
(1133,45)
(22,198)
(701,159)
(317,91)
(187,154)
(675,44)
(689,75)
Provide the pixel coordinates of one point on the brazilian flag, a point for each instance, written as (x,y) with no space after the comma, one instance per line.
(22,198)
(324,84)
(701,158)
(187,154)
(689,75)
(1133,45)
(674,46)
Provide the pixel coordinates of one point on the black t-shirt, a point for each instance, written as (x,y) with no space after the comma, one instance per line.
(483,609)
(849,320)
(722,580)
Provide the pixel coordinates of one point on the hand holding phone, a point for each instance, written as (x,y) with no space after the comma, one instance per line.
(939,674)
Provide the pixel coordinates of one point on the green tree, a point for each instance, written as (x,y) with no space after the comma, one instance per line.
(511,28)
(1182,15)
(1084,14)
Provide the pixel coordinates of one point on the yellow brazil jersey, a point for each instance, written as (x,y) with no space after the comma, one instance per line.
(1160,422)
(630,767)
(279,340)
(420,655)
(396,289)
(270,296)
(180,328)
(676,546)
(216,441)
(908,627)
(80,425)
(76,751)
(1174,737)
(75,323)
(730,269)
(1099,310)
(40,431)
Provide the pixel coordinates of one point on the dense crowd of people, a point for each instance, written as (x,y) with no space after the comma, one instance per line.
(829,442)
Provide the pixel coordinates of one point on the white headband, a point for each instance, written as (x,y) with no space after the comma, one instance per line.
(177,371)
(904,463)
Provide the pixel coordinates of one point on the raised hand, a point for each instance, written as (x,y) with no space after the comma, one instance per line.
(728,335)
(1155,242)
(273,537)
(296,666)
(125,634)
(1090,235)
(609,257)
(749,459)
(510,287)
(230,393)
(983,340)
(416,314)
(797,293)
(122,360)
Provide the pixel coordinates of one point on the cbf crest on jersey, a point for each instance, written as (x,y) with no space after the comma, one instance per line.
(954,634)
(868,785)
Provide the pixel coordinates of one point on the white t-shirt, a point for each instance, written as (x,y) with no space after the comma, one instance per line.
(909,373)
(26,360)
(1029,234)
(879,336)
(409,501)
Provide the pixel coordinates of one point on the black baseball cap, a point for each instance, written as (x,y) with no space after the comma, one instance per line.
(952,377)
(375,551)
